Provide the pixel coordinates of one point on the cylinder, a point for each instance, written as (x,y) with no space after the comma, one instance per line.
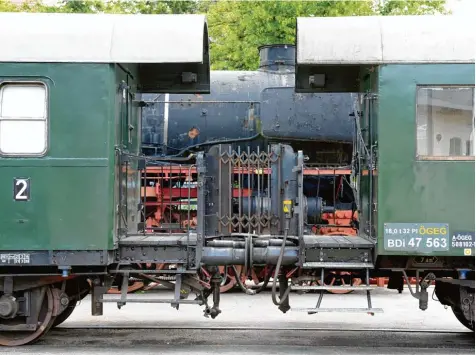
(259,205)
(261,256)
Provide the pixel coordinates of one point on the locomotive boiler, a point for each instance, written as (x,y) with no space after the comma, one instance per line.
(251,107)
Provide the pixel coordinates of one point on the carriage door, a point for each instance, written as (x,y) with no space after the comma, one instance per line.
(128,193)
(368,153)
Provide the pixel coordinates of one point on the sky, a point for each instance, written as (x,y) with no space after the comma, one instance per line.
(462,7)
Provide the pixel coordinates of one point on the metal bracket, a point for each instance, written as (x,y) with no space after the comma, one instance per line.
(141,164)
(125,158)
(97,292)
(123,86)
(8,285)
(189,77)
(124,287)
(370,96)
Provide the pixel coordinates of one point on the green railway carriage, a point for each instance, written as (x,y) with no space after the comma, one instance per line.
(68,87)
(67,103)
(414,149)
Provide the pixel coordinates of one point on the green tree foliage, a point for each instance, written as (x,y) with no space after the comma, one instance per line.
(27,6)
(129,6)
(7,6)
(411,7)
(238,28)
(84,7)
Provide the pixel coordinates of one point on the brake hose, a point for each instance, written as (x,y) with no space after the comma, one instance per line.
(278,266)
(240,283)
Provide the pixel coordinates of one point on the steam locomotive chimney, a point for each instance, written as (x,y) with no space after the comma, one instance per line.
(277,57)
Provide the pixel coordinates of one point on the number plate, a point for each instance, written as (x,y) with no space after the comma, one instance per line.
(21,189)
(462,239)
(14,258)
(416,237)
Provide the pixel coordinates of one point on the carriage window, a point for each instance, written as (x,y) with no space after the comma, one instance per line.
(23,119)
(445,123)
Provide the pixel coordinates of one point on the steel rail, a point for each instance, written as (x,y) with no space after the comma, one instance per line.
(219,327)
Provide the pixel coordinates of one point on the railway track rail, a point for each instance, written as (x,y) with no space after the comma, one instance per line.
(267,328)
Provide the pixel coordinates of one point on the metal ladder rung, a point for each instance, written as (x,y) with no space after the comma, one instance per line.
(344,288)
(338,310)
(150,300)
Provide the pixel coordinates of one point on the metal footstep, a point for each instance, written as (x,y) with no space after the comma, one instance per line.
(317,309)
(330,288)
(338,310)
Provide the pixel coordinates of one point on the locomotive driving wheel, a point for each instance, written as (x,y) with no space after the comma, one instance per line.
(340,278)
(134,285)
(259,276)
(18,328)
(228,277)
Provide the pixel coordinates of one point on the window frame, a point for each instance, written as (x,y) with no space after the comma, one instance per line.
(443,157)
(47,118)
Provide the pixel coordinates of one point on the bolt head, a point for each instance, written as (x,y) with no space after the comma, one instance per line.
(64,301)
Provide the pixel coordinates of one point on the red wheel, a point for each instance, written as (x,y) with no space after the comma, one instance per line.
(133,287)
(258,276)
(340,278)
(229,280)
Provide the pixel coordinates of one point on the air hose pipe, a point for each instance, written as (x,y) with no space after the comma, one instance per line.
(284,290)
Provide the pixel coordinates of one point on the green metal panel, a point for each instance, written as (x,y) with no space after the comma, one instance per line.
(72,185)
(411,190)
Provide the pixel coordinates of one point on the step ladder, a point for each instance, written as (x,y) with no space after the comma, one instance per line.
(322,289)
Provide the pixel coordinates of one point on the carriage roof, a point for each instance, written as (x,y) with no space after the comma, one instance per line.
(102,38)
(167,49)
(384,40)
